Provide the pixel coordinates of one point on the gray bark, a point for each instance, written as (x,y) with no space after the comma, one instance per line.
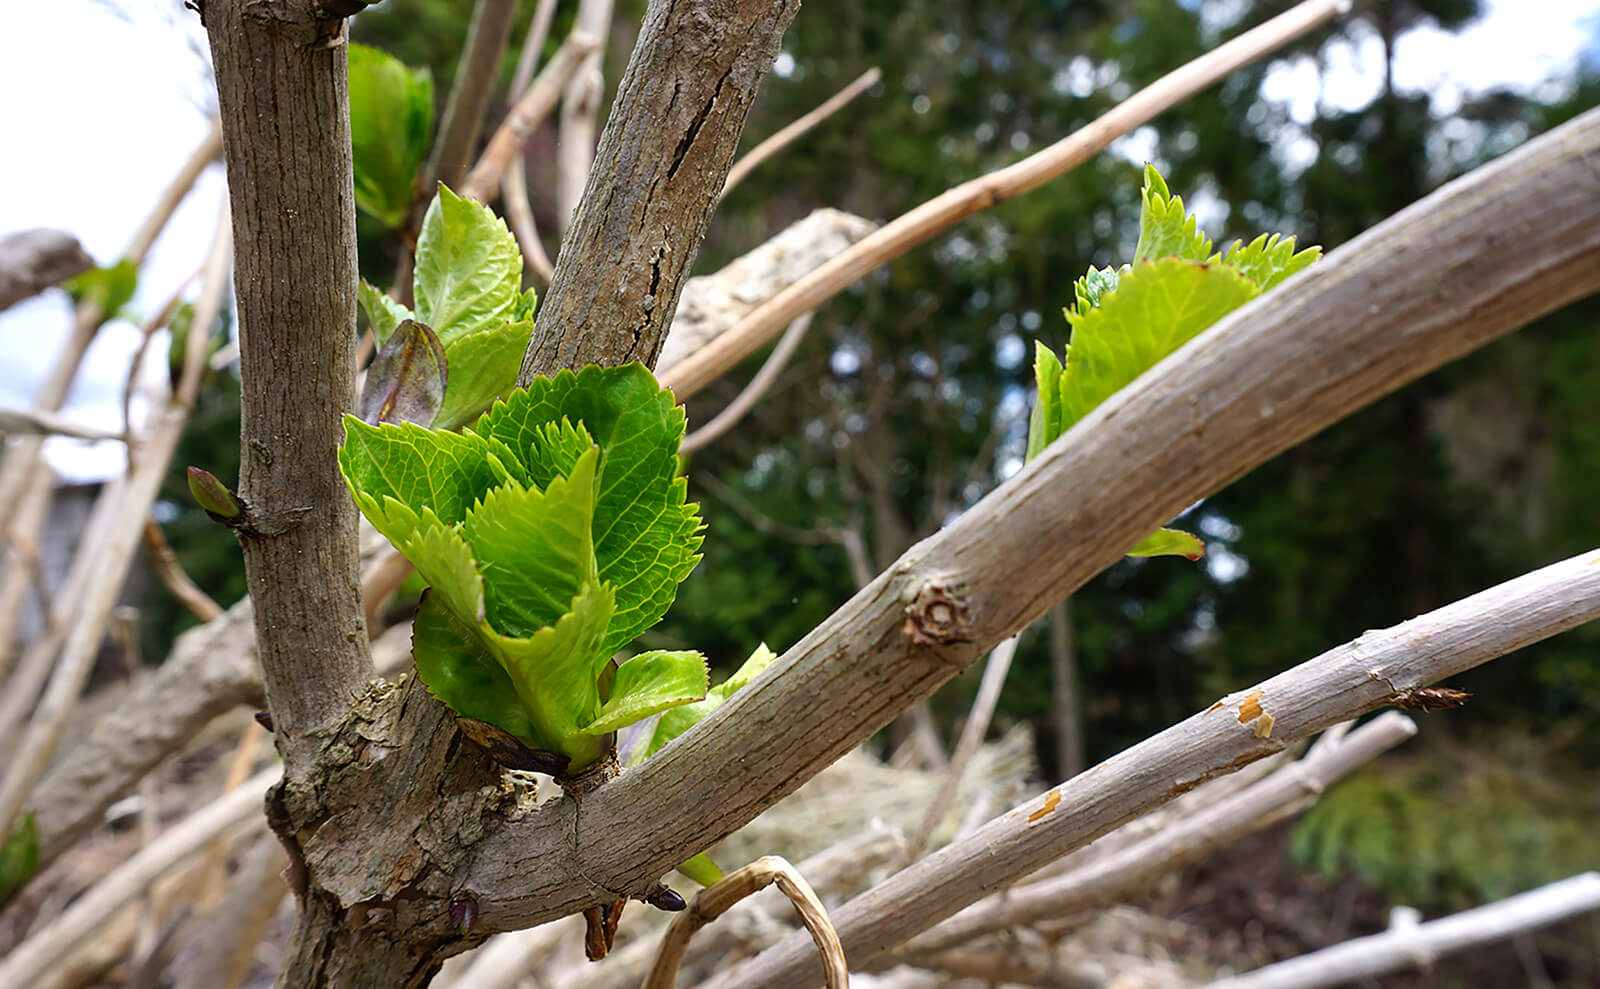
(665,152)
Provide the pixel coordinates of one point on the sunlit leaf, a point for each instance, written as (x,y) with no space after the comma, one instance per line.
(391,127)
(650,683)
(1170,542)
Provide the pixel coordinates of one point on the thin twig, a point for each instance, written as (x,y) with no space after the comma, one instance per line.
(23,572)
(470,94)
(514,186)
(171,573)
(711,902)
(29,960)
(519,214)
(783,138)
(747,399)
(944,211)
(983,705)
(1366,957)
(37,422)
(1371,671)
(530,111)
(580,113)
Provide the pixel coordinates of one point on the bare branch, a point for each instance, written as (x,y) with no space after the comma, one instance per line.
(295,283)
(941,213)
(1132,868)
(712,304)
(799,127)
(580,108)
(469,95)
(22,458)
(29,960)
(526,116)
(1250,387)
(662,160)
(171,573)
(34,260)
(746,400)
(983,705)
(37,422)
(1363,958)
(519,214)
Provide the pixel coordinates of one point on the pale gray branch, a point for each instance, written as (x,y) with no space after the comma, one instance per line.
(983,705)
(34,260)
(1363,958)
(28,961)
(1132,868)
(1253,385)
(580,109)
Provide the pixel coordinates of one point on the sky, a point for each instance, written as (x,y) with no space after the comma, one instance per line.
(109,118)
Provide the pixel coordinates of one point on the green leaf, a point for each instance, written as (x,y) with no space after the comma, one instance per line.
(1269,260)
(484,363)
(554,673)
(19,857)
(1164,229)
(406,382)
(646,533)
(1170,542)
(422,468)
(391,126)
(650,683)
(535,549)
(111,287)
(383,313)
(1044,425)
(462,673)
(527,303)
(702,870)
(1157,308)
(468,271)
(677,720)
(1095,285)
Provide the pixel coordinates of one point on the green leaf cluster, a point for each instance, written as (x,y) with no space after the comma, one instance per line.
(19,857)
(468,288)
(1125,321)
(551,533)
(391,127)
(111,287)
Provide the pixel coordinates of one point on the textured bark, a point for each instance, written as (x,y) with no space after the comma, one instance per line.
(665,152)
(281,85)
(1263,379)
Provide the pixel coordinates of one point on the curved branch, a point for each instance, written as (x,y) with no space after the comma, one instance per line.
(661,163)
(1252,386)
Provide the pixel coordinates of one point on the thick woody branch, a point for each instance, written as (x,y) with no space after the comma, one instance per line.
(1377,669)
(662,160)
(1255,384)
(295,281)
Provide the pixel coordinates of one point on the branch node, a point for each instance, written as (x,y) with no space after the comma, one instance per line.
(936,617)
